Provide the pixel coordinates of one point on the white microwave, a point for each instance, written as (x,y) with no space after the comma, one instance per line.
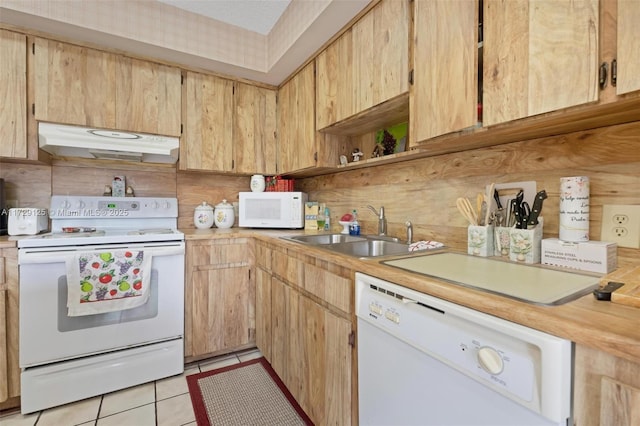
(271,209)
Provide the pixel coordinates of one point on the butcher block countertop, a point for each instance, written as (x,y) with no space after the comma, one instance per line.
(606,326)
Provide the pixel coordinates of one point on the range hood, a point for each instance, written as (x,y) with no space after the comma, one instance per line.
(63,140)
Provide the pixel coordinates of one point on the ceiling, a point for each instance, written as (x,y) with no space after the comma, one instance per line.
(260,40)
(253,15)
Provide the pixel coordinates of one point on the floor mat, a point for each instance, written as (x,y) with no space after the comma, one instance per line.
(249,393)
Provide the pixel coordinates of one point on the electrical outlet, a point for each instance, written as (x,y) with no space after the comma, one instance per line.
(621,224)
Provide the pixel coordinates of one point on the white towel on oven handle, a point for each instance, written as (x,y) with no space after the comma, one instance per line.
(135,294)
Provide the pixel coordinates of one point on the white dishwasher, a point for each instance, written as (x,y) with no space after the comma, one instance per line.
(426,361)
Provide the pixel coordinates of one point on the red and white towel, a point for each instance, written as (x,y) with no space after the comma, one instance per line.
(107,281)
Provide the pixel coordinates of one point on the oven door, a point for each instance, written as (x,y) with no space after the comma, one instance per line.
(48,334)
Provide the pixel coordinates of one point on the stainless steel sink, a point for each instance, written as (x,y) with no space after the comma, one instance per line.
(325,238)
(371,248)
(360,246)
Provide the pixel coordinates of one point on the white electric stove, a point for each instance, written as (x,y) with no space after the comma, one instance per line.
(66,357)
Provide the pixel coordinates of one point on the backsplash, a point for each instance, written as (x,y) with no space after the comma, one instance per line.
(423,191)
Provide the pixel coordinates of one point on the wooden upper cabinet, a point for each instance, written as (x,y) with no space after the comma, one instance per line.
(88,87)
(147,97)
(628,48)
(365,66)
(381,54)
(207,142)
(335,94)
(73,84)
(443,97)
(539,56)
(13,92)
(296,122)
(254,133)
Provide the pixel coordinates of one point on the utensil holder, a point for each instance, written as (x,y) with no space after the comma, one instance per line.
(524,244)
(480,240)
(502,239)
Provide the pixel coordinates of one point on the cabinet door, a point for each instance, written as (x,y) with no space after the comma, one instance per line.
(255,130)
(606,389)
(381,54)
(280,293)
(263,312)
(147,97)
(4,383)
(296,123)
(324,364)
(9,314)
(13,92)
(443,98)
(628,56)
(539,56)
(335,94)
(74,85)
(207,143)
(220,311)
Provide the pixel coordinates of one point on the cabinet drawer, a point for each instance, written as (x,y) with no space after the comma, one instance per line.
(288,268)
(222,253)
(330,287)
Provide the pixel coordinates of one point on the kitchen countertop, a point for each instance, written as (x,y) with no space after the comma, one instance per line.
(606,326)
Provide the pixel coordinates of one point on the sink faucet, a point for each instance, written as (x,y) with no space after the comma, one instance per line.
(409,232)
(382,220)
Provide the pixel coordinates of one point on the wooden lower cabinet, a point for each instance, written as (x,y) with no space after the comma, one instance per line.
(606,389)
(9,363)
(219,297)
(309,340)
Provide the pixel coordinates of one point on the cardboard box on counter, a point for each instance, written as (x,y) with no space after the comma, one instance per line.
(311,215)
(591,256)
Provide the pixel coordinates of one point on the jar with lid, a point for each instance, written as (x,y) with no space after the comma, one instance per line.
(224,215)
(257,183)
(203,216)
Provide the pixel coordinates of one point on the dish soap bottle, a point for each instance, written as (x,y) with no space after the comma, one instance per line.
(354,228)
(327,220)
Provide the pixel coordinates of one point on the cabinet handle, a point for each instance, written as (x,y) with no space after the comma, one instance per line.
(614,72)
(603,76)
(411,77)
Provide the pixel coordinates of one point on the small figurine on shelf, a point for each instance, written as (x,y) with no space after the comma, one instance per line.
(377,152)
(356,154)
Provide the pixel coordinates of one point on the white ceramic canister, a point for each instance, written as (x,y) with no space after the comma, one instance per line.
(203,216)
(257,183)
(224,215)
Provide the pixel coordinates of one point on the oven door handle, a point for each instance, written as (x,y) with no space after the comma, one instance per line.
(57,256)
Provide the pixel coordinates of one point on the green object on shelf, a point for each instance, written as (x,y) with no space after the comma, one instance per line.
(399,133)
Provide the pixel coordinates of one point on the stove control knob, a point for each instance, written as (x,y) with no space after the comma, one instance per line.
(155,205)
(65,205)
(80,204)
(166,205)
(490,360)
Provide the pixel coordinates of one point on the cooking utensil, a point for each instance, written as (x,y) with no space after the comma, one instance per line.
(525,212)
(466,209)
(479,201)
(496,197)
(490,192)
(532,220)
(516,209)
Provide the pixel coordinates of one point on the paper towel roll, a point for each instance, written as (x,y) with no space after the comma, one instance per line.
(574,208)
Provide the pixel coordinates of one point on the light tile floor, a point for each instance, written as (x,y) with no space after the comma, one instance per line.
(164,402)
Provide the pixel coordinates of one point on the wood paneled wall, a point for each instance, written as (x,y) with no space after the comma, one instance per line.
(32,185)
(424,191)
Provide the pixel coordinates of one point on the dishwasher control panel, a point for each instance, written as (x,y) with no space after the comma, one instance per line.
(504,356)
